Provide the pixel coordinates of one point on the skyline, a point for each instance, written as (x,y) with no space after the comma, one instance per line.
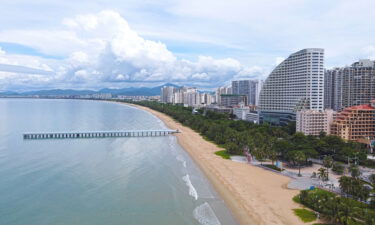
(46,45)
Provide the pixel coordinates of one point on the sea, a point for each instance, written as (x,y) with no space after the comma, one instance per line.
(97,181)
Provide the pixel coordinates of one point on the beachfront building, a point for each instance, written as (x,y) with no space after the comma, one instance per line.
(355,123)
(313,122)
(231,100)
(250,88)
(350,86)
(295,84)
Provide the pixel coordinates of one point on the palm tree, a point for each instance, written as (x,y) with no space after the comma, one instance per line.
(322,174)
(327,161)
(345,184)
(299,157)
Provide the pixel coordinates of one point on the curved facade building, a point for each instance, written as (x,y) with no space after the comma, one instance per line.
(295,84)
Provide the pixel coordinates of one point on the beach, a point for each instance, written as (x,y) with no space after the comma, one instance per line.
(254,195)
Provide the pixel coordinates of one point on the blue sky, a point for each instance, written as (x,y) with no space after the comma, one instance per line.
(206,43)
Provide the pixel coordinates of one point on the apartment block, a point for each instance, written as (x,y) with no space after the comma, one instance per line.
(350,86)
(312,122)
(355,123)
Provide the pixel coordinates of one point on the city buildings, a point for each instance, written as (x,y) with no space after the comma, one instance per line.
(188,96)
(295,84)
(350,86)
(356,123)
(250,88)
(231,100)
(312,122)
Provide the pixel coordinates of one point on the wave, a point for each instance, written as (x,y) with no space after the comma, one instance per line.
(192,191)
(181,159)
(205,215)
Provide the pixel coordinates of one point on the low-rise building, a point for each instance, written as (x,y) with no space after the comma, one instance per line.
(230,100)
(313,122)
(252,117)
(356,123)
(240,112)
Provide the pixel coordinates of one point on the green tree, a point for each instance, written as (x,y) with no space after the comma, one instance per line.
(327,162)
(272,155)
(354,171)
(372,179)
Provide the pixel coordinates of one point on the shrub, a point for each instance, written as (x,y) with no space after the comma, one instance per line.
(338,168)
(273,167)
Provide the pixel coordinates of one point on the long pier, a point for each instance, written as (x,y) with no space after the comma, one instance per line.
(99,134)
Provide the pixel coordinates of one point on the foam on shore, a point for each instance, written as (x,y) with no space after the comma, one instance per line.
(205,215)
(192,191)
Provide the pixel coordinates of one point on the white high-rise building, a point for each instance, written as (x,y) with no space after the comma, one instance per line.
(167,94)
(295,84)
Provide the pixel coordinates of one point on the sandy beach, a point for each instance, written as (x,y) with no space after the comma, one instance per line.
(254,195)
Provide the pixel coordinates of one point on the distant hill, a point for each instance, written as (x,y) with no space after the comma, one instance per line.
(133,91)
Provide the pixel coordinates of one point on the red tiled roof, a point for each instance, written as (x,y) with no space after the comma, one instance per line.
(360,107)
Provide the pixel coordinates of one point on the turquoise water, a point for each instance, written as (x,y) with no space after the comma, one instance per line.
(145,180)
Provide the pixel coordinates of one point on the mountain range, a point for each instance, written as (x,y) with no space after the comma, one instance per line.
(131,91)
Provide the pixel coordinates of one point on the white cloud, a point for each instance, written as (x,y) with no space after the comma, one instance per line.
(102,49)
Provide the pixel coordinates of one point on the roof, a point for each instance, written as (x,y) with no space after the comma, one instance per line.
(361,107)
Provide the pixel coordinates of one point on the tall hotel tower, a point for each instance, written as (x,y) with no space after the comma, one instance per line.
(295,84)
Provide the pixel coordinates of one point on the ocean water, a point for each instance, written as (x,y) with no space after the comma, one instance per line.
(137,180)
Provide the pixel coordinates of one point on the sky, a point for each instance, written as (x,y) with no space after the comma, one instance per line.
(94,44)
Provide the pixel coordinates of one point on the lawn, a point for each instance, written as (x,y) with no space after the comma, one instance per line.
(223,153)
(305,215)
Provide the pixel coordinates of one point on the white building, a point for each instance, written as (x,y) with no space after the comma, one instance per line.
(167,94)
(295,84)
(312,122)
(240,112)
(252,117)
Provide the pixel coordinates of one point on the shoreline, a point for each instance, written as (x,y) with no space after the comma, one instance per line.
(253,195)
